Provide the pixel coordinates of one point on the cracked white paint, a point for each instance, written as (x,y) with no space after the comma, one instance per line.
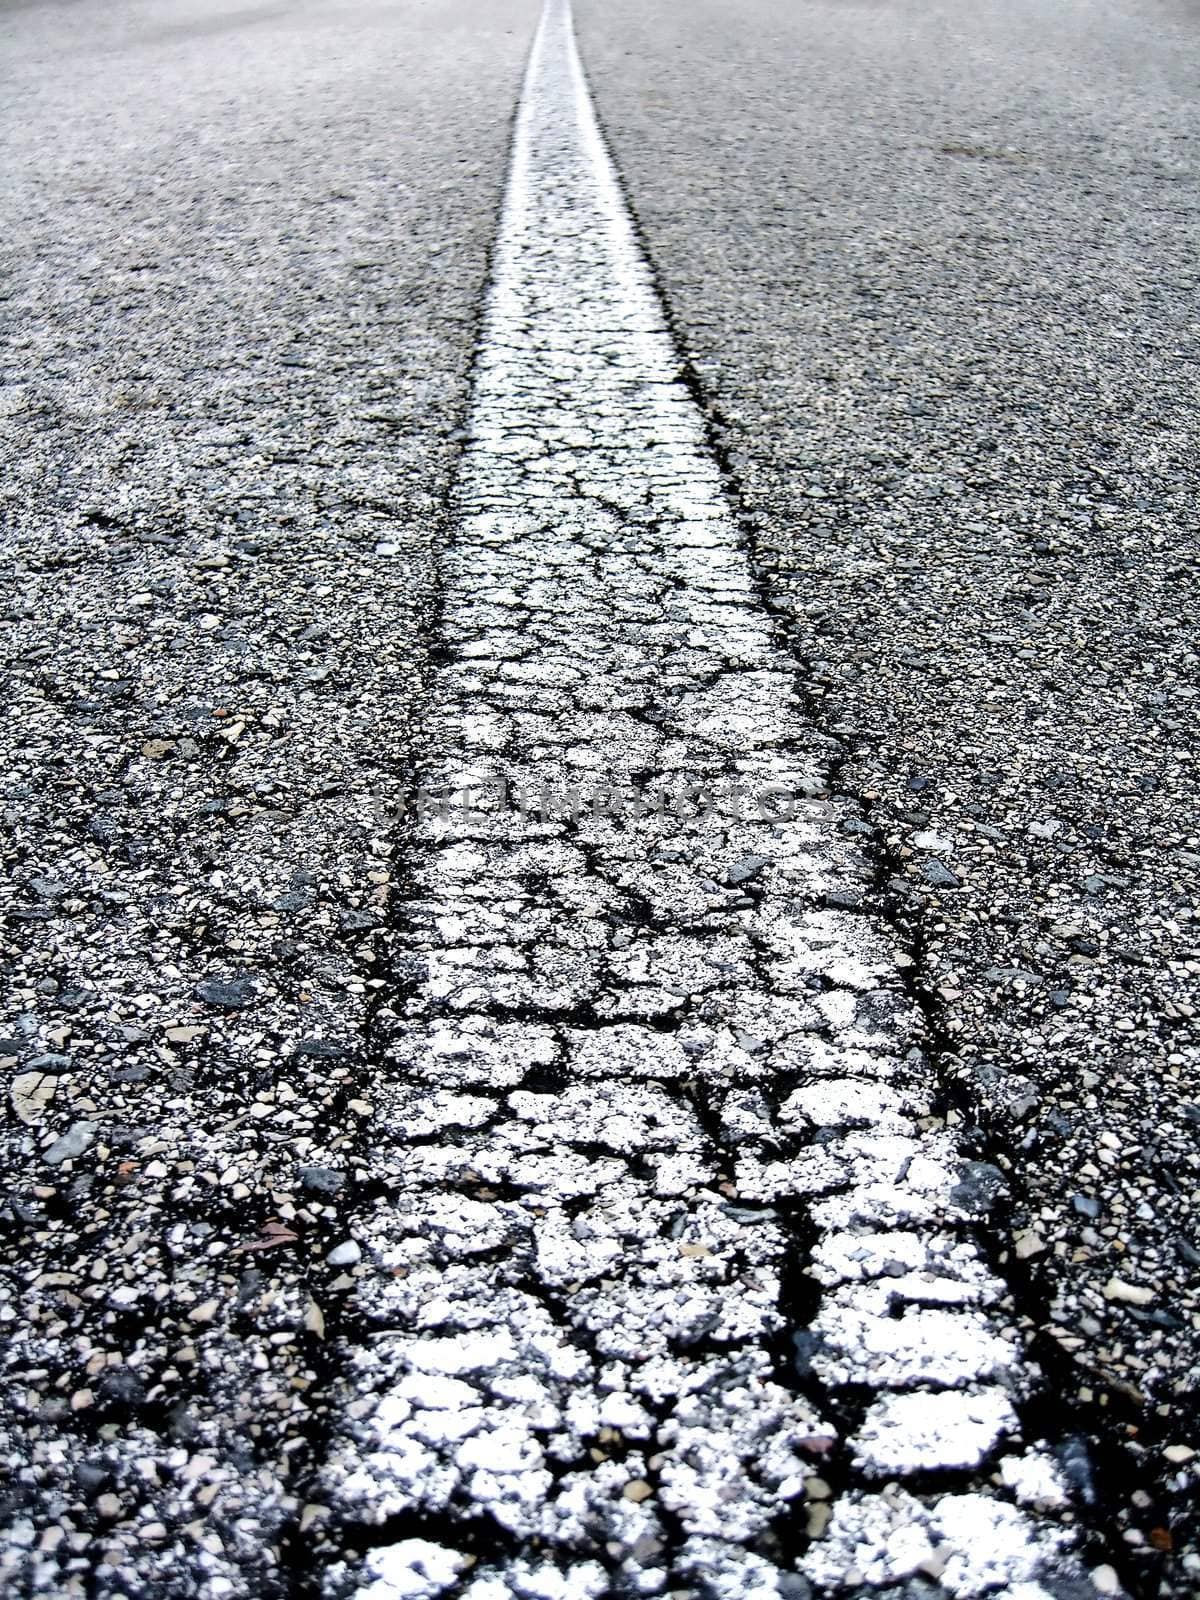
(633,1047)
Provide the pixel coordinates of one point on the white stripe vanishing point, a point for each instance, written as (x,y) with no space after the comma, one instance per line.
(675,1287)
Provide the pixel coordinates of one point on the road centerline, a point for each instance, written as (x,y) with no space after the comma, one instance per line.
(676,1287)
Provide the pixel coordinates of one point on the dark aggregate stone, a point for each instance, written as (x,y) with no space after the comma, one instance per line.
(940,876)
(747,869)
(230,994)
(322,1180)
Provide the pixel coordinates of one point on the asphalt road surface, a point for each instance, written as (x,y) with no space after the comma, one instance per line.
(936,270)
(581,1195)
(246,254)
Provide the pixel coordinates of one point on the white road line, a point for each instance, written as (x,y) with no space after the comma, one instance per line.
(643,1059)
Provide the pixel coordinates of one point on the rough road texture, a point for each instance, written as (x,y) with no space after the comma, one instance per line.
(672,1281)
(935,266)
(244,255)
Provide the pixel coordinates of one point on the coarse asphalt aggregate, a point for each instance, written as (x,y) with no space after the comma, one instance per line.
(244,254)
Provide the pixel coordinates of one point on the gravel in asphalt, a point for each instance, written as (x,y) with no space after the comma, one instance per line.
(244,254)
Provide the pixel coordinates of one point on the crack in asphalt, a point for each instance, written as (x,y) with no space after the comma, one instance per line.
(674,1280)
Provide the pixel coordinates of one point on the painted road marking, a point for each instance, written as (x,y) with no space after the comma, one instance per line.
(675,1288)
